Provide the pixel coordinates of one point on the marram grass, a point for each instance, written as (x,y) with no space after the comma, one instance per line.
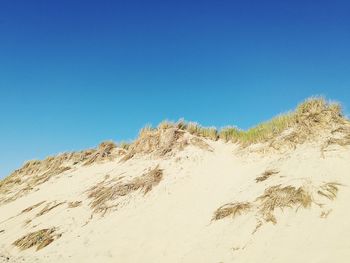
(316,110)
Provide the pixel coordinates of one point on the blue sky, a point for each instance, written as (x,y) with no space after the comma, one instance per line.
(75,73)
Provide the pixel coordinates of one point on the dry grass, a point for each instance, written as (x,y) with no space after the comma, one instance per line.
(159,142)
(282,197)
(104,152)
(274,197)
(38,239)
(105,192)
(32,207)
(329,190)
(33,173)
(340,136)
(74,204)
(168,137)
(49,207)
(267,174)
(231,209)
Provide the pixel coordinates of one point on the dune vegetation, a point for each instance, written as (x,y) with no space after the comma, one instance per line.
(313,111)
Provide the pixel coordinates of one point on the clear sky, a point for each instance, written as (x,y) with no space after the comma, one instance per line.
(75,73)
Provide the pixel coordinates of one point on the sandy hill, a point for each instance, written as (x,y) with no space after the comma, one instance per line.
(180,192)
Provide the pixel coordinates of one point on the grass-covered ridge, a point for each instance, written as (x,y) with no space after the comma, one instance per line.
(312,112)
(308,118)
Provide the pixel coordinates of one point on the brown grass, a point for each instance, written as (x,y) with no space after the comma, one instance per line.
(28,209)
(231,209)
(36,172)
(282,197)
(38,239)
(74,204)
(267,174)
(156,141)
(49,207)
(329,190)
(105,192)
(278,197)
(103,152)
(342,140)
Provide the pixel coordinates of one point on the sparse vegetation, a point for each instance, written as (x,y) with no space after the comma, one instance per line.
(105,192)
(277,197)
(33,173)
(74,204)
(231,209)
(329,190)
(103,152)
(32,207)
(38,239)
(267,174)
(282,197)
(49,207)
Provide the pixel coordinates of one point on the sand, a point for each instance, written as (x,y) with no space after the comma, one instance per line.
(173,222)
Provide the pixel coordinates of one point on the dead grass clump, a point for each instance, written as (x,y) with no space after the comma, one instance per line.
(329,190)
(341,138)
(105,192)
(103,152)
(282,197)
(267,174)
(74,204)
(231,209)
(156,141)
(38,239)
(32,207)
(48,208)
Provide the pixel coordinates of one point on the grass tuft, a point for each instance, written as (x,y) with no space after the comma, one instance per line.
(28,209)
(267,174)
(74,204)
(48,208)
(231,209)
(329,190)
(38,239)
(282,197)
(104,192)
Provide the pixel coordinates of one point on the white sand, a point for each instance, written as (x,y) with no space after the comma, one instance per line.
(172,223)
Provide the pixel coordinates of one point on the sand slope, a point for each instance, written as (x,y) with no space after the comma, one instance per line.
(173,222)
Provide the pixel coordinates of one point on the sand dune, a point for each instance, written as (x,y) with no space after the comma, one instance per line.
(187,195)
